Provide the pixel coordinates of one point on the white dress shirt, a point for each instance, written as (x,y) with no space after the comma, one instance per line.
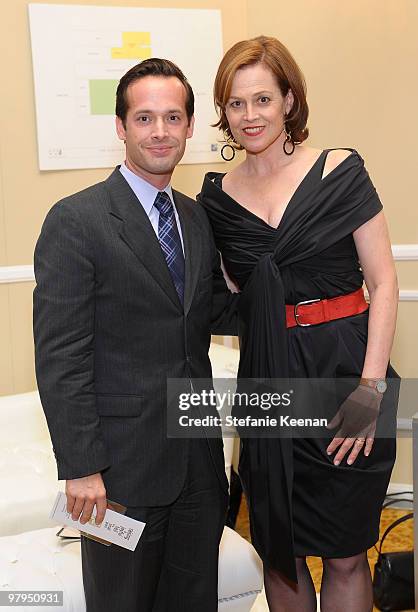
(146,194)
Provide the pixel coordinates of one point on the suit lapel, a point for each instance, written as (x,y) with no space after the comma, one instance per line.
(192,238)
(136,231)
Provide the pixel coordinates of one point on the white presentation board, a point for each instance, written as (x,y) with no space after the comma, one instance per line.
(79,54)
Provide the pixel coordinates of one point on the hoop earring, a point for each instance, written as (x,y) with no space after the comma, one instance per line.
(227,146)
(287,140)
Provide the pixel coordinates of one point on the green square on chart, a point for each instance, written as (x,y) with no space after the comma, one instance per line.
(102,96)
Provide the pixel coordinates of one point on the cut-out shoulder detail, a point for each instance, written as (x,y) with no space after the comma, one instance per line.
(334,159)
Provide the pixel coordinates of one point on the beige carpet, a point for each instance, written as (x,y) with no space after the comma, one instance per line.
(401,538)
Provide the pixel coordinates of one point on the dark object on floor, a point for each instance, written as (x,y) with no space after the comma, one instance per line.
(393,581)
(235,496)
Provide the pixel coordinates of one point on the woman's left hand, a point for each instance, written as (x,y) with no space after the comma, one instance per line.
(356,419)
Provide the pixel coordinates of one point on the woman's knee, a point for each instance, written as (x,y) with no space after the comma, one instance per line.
(277,576)
(346,566)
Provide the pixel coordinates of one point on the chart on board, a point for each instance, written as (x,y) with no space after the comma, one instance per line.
(79,54)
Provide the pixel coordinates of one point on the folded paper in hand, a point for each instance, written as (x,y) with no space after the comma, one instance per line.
(115,528)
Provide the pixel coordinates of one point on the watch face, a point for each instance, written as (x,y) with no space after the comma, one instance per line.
(381,386)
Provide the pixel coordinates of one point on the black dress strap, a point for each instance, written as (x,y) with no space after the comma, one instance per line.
(325,155)
(315,173)
(218,178)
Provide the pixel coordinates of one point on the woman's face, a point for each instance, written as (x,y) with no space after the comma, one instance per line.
(256,108)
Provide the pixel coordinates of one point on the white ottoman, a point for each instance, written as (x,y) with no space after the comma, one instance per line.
(28,473)
(38,560)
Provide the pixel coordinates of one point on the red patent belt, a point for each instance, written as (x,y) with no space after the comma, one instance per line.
(313,312)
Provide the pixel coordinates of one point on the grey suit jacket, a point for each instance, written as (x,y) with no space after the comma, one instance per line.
(109,329)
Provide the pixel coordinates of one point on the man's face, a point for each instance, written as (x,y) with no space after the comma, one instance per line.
(156,127)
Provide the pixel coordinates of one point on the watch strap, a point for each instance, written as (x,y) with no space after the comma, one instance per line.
(372,383)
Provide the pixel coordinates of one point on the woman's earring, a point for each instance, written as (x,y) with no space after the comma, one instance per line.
(224,148)
(288,140)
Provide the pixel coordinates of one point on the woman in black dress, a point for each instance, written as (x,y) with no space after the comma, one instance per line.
(295,223)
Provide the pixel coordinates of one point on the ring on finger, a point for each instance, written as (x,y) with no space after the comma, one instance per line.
(360,441)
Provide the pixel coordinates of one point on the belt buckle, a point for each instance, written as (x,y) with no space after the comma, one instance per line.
(298,315)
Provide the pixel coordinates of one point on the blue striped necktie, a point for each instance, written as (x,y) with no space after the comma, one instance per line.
(170,242)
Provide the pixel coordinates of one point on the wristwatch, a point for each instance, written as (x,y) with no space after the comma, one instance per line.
(378,384)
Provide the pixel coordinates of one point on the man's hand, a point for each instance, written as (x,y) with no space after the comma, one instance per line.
(83,494)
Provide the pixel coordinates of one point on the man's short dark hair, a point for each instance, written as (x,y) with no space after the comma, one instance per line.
(151,67)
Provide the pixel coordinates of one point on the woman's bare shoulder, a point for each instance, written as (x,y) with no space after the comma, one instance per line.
(334,158)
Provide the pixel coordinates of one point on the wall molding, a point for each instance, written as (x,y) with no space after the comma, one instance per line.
(401,252)
(405,252)
(408,493)
(405,295)
(408,295)
(16,274)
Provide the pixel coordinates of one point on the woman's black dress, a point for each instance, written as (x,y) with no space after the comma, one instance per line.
(300,502)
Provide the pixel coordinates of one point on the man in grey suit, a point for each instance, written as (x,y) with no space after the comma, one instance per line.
(128,287)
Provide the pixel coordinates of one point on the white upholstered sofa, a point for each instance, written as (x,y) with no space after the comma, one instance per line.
(32,557)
